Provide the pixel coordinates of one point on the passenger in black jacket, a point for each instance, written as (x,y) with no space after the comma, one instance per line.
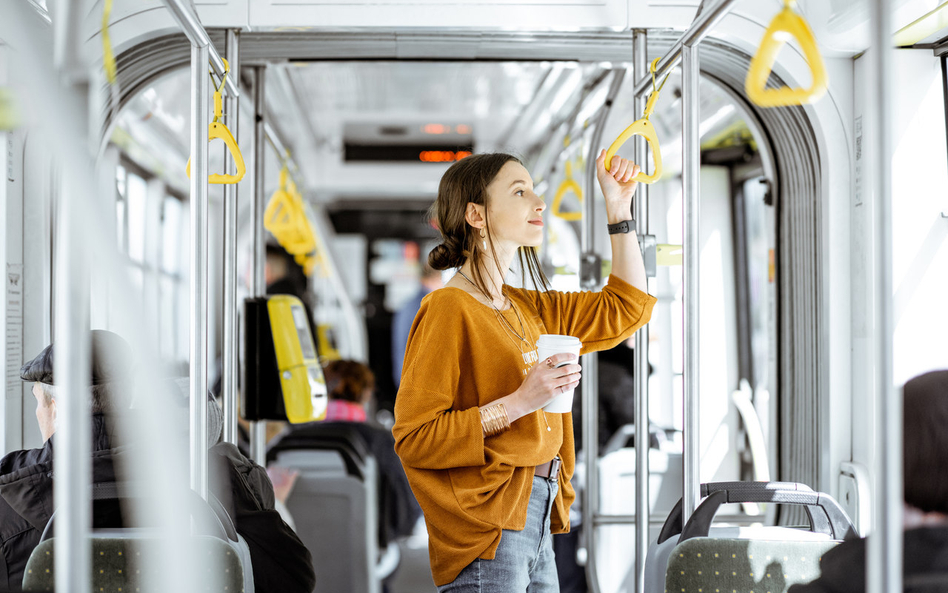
(925,488)
(280,561)
(26,477)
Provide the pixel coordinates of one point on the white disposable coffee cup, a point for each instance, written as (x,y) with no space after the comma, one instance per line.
(547,346)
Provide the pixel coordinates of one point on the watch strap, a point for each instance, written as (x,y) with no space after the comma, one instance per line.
(626,226)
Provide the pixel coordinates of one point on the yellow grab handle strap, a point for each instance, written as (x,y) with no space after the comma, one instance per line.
(644,128)
(108,56)
(786,22)
(567,185)
(279,217)
(219,130)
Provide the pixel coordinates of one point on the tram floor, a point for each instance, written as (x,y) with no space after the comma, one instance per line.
(414,570)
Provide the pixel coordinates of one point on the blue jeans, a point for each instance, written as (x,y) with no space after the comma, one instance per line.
(524,562)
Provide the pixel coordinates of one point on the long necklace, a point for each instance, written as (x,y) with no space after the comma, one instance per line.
(507,325)
(522,335)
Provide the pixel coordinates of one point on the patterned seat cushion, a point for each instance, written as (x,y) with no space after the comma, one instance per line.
(118,566)
(710,565)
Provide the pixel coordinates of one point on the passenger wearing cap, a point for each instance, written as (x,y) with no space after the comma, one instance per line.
(26,477)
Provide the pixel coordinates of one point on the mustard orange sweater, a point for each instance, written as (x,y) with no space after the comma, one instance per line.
(460,356)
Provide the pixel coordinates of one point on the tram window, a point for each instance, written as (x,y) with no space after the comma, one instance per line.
(136,194)
(919,216)
(163,264)
(120,223)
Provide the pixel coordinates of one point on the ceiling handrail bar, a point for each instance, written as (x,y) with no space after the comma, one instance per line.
(704,21)
(190,23)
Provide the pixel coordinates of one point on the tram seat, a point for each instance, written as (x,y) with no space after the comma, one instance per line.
(744,559)
(335,506)
(120,555)
(616,566)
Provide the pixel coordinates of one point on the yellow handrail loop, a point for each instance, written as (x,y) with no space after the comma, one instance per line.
(217,129)
(643,127)
(569,184)
(285,217)
(785,25)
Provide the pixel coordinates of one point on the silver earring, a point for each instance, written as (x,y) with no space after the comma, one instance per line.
(484,237)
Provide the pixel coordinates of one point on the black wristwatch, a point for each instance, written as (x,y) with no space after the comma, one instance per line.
(626,226)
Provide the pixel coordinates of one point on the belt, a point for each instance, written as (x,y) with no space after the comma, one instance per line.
(549,470)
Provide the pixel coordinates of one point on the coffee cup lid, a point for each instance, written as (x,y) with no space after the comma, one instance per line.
(557,340)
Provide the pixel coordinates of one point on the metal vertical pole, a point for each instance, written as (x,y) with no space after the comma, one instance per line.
(67,54)
(590,362)
(73,456)
(640,152)
(885,544)
(200,95)
(690,177)
(258,430)
(229,347)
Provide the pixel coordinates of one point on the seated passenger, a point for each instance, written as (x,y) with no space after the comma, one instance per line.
(350,385)
(925,484)
(26,485)
(281,562)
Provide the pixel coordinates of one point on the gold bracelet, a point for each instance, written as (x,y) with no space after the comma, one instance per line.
(494,420)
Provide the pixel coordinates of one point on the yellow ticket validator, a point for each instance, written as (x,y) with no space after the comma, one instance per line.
(283,379)
(304,388)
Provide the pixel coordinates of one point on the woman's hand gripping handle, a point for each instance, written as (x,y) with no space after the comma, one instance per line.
(617,186)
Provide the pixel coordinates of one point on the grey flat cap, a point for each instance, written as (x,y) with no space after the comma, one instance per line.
(111,360)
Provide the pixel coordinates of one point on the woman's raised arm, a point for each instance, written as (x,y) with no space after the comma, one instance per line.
(618,190)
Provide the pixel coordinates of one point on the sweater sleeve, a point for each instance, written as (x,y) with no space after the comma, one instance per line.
(599,319)
(431,430)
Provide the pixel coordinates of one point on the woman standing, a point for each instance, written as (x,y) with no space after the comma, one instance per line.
(489,467)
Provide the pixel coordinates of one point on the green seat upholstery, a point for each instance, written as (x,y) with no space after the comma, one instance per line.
(711,565)
(117,565)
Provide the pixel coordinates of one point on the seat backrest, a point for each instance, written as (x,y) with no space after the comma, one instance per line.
(208,519)
(742,565)
(120,563)
(335,508)
(701,556)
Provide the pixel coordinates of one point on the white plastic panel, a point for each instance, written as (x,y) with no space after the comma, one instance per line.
(560,15)
(134,21)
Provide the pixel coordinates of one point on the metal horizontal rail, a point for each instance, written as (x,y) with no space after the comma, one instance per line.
(197,35)
(273,138)
(626,519)
(699,29)
(601,520)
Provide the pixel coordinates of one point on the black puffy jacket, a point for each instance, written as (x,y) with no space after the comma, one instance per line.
(26,499)
(280,560)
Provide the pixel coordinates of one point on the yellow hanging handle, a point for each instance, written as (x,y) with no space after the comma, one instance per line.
(217,130)
(568,185)
(285,218)
(643,127)
(785,25)
(108,56)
